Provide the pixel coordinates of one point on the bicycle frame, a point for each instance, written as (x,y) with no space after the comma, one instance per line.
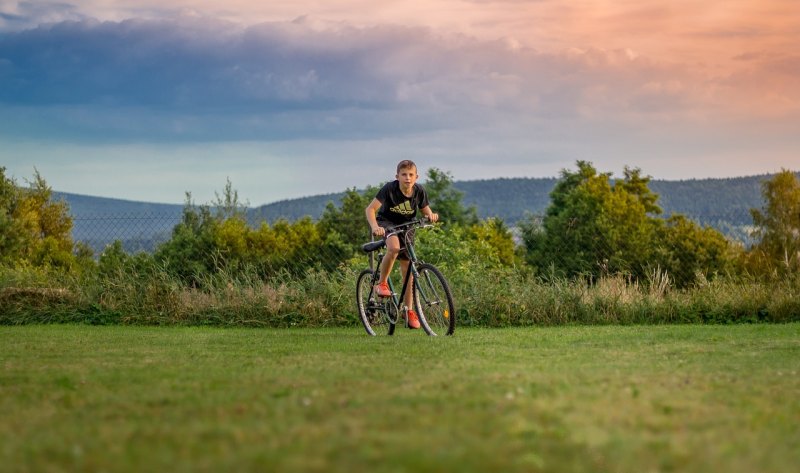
(412,263)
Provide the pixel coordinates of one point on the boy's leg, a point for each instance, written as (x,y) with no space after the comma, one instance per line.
(408,297)
(392,250)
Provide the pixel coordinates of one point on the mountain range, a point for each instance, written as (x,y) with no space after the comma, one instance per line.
(723,204)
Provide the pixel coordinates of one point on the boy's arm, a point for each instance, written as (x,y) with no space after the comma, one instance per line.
(371,210)
(429,214)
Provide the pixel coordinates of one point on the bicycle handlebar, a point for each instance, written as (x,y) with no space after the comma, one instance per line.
(374,245)
(404,226)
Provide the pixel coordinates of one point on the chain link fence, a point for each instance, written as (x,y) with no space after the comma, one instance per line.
(290,247)
(137,232)
(591,257)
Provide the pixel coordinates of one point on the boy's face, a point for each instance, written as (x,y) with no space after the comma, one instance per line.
(407,176)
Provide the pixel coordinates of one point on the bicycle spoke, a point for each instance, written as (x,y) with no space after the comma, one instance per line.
(376,316)
(434,301)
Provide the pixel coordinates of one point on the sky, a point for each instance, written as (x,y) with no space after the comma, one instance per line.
(149,99)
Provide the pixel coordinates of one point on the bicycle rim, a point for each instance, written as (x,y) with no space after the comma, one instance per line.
(434,301)
(371,310)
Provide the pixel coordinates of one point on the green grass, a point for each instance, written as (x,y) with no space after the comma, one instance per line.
(625,399)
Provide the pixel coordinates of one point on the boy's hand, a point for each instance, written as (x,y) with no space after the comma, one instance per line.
(378,231)
(433,217)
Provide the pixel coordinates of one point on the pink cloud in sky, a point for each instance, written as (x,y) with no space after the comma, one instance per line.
(739,54)
(683,88)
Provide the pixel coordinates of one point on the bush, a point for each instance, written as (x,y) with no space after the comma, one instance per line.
(219,270)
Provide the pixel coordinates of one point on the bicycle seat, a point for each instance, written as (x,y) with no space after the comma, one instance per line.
(373,245)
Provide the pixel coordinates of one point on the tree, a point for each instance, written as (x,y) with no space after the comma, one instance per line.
(495,235)
(228,204)
(778,222)
(593,227)
(446,200)
(210,239)
(11,236)
(636,185)
(687,249)
(33,228)
(348,221)
(596,225)
(191,251)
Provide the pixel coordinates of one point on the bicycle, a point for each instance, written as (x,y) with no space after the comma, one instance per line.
(433,299)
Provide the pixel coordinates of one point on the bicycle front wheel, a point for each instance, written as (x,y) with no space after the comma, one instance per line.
(377,315)
(434,301)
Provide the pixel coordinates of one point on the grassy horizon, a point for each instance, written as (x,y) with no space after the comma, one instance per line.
(602,398)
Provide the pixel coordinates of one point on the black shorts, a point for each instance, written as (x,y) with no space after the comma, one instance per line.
(403,255)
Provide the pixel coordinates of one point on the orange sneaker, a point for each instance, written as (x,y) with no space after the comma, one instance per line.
(382,290)
(412,319)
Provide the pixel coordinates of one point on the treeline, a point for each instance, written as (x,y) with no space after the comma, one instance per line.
(602,252)
(721,203)
(707,201)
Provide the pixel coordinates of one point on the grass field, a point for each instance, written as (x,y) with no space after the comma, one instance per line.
(568,399)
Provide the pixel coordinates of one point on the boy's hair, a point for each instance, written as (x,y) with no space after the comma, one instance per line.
(405,164)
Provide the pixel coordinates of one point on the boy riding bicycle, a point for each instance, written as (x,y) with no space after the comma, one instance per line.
(397,202)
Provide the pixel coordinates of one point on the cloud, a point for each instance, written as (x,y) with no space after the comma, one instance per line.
(483,88)
(195,78)
(24,15)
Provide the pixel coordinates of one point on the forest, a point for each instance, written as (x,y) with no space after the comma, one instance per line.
(603,251)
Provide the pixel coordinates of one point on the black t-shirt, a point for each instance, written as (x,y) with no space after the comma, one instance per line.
(396,208)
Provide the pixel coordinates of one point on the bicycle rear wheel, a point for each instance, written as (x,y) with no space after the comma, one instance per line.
(434,301)
(377,315)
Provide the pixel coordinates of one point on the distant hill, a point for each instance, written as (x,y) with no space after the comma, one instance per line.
(509,199)
(506,198)
(85,205)
(720,203)
(293,209)
(140,226)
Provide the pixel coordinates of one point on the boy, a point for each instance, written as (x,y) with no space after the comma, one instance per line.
(397,202)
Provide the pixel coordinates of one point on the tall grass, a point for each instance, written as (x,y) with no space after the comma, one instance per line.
(491,298)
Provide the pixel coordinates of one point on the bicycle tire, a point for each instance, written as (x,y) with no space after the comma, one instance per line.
(434,301)
(375,316)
